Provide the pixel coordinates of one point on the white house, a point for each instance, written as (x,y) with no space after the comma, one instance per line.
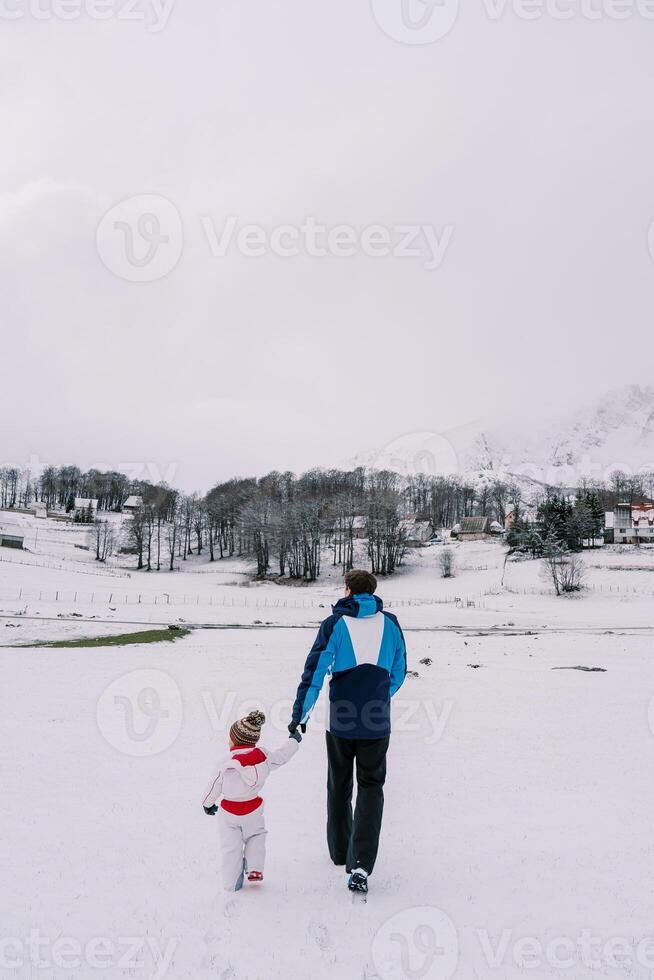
(132,503)
(630,524)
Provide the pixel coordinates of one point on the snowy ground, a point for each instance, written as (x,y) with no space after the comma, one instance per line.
(518,806)
(516,838)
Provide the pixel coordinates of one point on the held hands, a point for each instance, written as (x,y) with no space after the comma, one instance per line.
(211,810)
(293,729)
(296,735)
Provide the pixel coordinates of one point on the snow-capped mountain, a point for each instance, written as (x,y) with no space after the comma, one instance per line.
(616,432)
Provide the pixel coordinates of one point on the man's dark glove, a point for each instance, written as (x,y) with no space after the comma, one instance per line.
(296,735)
(293,727)
(210,810)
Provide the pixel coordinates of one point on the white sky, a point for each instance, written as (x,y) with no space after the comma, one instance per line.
(533,140)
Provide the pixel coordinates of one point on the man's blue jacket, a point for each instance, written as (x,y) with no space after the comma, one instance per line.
(362,648)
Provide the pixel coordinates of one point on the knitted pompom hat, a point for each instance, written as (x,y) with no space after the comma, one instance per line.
(247,731)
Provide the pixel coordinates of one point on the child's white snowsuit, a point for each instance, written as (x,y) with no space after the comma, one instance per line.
(243,846)
(241,815)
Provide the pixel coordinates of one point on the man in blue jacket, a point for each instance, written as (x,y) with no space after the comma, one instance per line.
(362,647)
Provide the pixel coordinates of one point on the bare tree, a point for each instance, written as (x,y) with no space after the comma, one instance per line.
(572,574)
(386,537)
(104,533)
(173,531)
(565,569)
(446,562)
(136,531)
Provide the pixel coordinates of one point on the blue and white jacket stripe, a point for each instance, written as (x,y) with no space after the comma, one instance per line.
(362,647)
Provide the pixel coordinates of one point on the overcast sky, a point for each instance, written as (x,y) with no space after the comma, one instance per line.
(519,153)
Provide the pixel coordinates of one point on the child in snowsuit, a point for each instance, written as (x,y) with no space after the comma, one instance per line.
(237,783)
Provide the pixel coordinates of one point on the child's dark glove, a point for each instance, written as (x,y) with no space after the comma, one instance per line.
(210,810)
(296,735)
(293,727)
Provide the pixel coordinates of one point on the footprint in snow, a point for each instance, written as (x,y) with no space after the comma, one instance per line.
(319,935)
(231,908)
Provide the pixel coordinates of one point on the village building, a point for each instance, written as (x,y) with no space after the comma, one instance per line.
(629,524)
(11,540)
(472,529)
(132,504)
(477,528)
(417,533)
(528,516)
(359,527)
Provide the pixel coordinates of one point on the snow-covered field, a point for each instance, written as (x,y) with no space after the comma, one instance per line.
(58,578)
(518,805)
(517,832)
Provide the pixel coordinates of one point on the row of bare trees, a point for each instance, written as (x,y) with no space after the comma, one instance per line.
(283,523)
(280,521)
(445,500)
(57,487)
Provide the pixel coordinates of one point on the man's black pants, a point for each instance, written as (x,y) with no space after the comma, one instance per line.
(354,842)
